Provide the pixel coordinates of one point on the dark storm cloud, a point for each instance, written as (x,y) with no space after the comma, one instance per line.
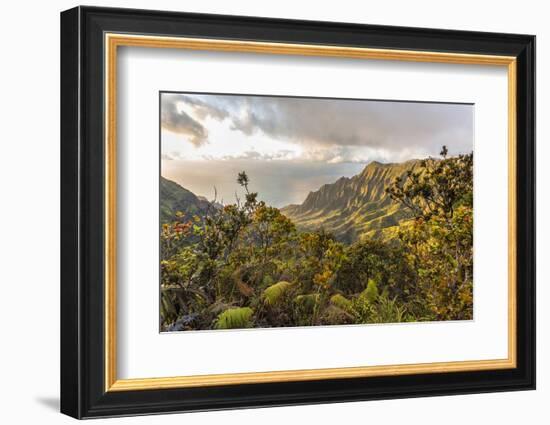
(313,122)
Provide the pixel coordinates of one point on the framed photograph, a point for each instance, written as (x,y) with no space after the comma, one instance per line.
(261,212)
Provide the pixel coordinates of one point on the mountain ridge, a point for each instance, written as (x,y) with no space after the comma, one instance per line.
(353,207)
(175,198)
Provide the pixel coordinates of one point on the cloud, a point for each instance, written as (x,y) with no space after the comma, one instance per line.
(391,126)
(278,155)
(179,122)
(170,156)
(328,124)
(201,108)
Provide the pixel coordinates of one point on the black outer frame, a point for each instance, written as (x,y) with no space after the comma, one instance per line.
(82,207)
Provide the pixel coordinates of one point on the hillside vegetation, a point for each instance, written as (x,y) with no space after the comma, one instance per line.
(174,199)
(328,261)
(354,207)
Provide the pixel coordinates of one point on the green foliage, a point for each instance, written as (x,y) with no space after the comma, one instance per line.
(371,292)
(388,310)
(340,301)
(437,188)
(235,318)
(174,199)
(439,240)
(274,293)
(309,301)
(246,265)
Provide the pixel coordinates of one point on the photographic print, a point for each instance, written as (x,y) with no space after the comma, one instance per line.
(279,211)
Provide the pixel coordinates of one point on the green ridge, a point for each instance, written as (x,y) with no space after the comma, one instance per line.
(356,207)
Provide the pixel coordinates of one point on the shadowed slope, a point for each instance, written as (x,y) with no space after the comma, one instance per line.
(174,198)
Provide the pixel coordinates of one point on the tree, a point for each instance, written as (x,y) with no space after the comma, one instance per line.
(270,228)
(440,238)
(436,187)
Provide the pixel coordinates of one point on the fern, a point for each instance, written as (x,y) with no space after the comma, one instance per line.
(273,293)
(239,317)
(371,292)
(341,302)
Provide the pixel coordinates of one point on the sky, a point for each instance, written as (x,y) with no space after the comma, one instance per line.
(290,146)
